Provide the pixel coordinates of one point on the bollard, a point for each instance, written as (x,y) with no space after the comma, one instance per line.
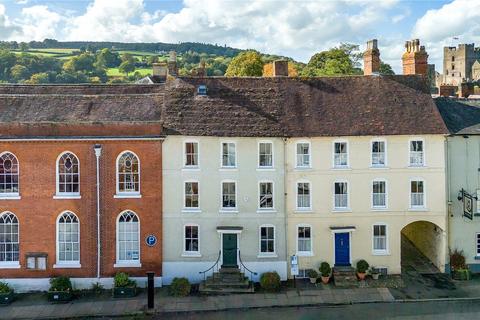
(150,289)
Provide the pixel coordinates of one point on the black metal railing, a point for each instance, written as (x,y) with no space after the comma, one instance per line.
(242,266)
(212,267)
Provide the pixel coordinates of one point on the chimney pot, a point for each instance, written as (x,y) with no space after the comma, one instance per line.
(415,58)
(371,58)
(160,70)
(280,68)
(172,64)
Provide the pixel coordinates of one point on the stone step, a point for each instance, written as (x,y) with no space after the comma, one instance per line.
(216,284)
(229,270)
(345,277)
(225,290)
(228,277)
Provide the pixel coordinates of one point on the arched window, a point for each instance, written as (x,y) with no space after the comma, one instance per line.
(128,238)
(68,239)
(9,240)
(68,174)
(128,173)
(8,174)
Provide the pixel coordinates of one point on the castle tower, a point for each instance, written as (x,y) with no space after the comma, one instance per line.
(371,58)
(415,58)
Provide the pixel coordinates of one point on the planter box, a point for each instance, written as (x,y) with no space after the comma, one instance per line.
(59,296)
(461,275)
(124,292)
(6,298)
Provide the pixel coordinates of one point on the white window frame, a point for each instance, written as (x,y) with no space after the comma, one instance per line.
(258,155)
(304,253)
(347,154)
(341,209)
(190,209)
(221,154)
(186,253)
(68,195)
(184,151)
(273,196)
(128,194)
(72,263)
(303,209)
(127,263)
(12,264)
(228,209)
(477,244)
(419,208)
(12,195)
(297,165)
(374,207)
(424,164)
(385,152)
(267,254)
(380,252)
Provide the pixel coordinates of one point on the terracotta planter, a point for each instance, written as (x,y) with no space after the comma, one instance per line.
(313,280)
(325,280)
(361,275)
(6,298)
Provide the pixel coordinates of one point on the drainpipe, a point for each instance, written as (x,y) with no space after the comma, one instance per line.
(285,193)
(98,152)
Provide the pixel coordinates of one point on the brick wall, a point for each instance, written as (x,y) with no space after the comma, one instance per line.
(37,211)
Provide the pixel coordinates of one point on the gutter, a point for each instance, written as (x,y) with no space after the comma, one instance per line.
(83,138)
(98,152)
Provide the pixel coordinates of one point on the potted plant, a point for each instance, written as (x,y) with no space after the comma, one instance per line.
(362,267)
(6,293)
(375,273)
(325,271)
(313,275)
(60,289)
(124,287)
(459,269)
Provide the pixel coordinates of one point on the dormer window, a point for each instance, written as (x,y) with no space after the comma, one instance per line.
(202,90)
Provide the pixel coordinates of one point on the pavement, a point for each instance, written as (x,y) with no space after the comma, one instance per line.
(166,304)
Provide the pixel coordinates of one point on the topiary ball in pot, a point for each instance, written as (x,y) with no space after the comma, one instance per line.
(270,281)
(362,267)
(180,287)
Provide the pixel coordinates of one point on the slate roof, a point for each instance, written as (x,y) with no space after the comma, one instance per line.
(301,107)
(461,116)
(47,110)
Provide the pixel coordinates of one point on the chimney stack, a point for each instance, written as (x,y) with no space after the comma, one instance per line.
(415,58)
(371,58)
(280,68)
(160,70)
(172,64)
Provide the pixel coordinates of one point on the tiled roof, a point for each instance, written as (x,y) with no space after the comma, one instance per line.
(460,116)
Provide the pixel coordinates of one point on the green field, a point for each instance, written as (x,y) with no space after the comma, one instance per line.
(113,72)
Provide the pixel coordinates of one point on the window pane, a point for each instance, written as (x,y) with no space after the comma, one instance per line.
(228,195)
(128,237)
(265,154)
(266,195)
(191,154)
(8,173)
(9,244)
(128,173)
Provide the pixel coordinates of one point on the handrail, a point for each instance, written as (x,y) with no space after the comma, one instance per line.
(215,264)
(244,267)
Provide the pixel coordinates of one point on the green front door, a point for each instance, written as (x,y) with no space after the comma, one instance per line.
(229,250)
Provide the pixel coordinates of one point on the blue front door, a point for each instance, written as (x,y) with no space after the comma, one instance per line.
(342,249)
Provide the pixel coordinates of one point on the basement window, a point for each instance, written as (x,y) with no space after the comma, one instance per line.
(202,90)
(36,261)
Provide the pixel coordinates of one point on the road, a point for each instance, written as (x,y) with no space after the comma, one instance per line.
(457,310)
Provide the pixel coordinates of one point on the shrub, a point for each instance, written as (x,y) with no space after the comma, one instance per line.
(180,287)
(457,260)
(60,284)
(270,281)
(121,280)
(5,288)
(96,288)
(362,266)
(325,269)
(312,273)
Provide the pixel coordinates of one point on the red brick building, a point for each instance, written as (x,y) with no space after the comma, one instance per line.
(51,138)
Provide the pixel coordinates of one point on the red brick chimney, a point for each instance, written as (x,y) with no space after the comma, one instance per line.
(280,68)
(415,58)
(371,58)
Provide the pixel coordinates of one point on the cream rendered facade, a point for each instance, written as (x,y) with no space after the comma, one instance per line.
(427,225)
(212,222)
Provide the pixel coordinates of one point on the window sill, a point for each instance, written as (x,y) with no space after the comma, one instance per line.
(127,196)
(67,266)
(10,265)
(304,254)
(307,210)
(127,265)
(186,210)
(303,168)
(416,166)
(266,169)
(266,211)
(379,208)
(378,167)
(423,209)
(67,196)
(196,168)
(228,169)
(10,196)
(191,255)
(228,211)
(380,253)
(342,168)
(267,255)
(342,210)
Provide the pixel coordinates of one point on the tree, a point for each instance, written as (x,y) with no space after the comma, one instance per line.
(107,58)
(23,46)
(83,62)
(268,70)
(126,67)
(386,69)
(39,78)
(152,59)
(128,57)
(19,72)
(245,64)
(337,61)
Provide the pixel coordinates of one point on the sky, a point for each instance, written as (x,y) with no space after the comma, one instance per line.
(293,28)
